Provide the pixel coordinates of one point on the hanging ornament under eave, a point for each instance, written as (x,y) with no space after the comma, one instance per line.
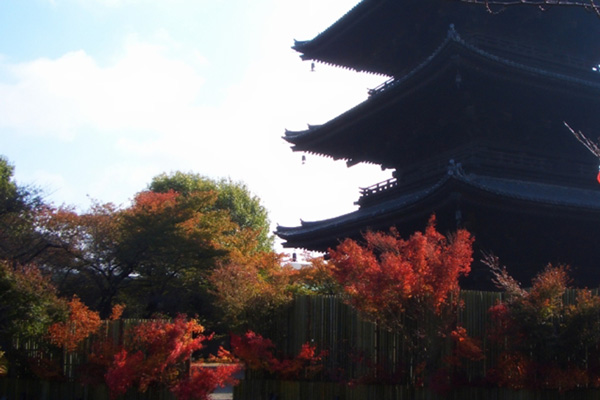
(598,176)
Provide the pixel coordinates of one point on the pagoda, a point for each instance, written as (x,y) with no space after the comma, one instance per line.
(471,120)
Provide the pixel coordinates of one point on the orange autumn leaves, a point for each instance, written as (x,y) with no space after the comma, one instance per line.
(80,324)
(387,273)
(381,276)
(248,289)
(546,342)
(153,353)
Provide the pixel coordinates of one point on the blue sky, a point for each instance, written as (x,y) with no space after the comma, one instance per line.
(99,96)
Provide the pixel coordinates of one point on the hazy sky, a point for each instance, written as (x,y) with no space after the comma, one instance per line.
(99,96)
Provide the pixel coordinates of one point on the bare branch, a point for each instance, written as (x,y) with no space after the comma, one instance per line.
(589,5)
(501,277)
(590,145)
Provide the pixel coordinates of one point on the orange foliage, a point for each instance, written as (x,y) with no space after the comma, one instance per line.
(156,353)
(117,311)
(248,288)
(546,343)
(152,202)
(317,277)
(386,273)
(82,322)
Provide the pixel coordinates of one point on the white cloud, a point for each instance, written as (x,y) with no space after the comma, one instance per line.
(149,103)
(144,90)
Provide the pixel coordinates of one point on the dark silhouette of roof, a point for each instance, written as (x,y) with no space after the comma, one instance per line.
(537,197)
(390,37)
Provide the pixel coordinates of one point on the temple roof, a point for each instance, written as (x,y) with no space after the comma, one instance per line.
(457,81)
(390,37)
(486,191)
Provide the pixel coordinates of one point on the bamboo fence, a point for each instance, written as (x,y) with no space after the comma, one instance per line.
(301,390)
(70,361)
(35,389)
(354,346)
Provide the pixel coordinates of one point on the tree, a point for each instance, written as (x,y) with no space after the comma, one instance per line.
(399,283)
(155,353)
(250,290)
(20,207)
(317,277)
(388,278)
(173,241)
(9,197)
(80,324)
(259,354)
(245,208)
(546,341)
(152,255)
(88,263)
(28,305)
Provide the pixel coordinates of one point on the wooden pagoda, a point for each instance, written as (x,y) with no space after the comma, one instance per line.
(471,121)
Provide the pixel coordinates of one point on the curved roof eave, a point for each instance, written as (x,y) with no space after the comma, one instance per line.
(345,22)
(318,132)
(534,193)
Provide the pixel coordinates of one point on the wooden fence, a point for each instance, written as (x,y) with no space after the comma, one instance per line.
(70,361)
(36,389)
(301,390)
(354,346)
(67,387)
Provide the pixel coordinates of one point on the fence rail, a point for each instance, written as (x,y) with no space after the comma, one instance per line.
(354,345)
(330,324)
(30,389)
(297,390)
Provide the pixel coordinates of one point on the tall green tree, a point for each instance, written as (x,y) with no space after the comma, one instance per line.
(152,255)
(245,209)
(20,208)
(156,254)
(173,241)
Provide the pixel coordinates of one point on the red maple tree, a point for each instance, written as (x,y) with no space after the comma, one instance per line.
(259,353)
(388,278)
(156,353)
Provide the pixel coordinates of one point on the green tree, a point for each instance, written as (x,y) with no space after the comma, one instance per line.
(152,255)
(28,305)
(245,208)
(20,209)
(8,189)
(173,240)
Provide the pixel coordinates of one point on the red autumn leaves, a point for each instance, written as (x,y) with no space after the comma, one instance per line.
(387,273)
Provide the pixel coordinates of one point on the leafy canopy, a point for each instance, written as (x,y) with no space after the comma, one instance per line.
(20,208)
(245,208)
(386,277)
